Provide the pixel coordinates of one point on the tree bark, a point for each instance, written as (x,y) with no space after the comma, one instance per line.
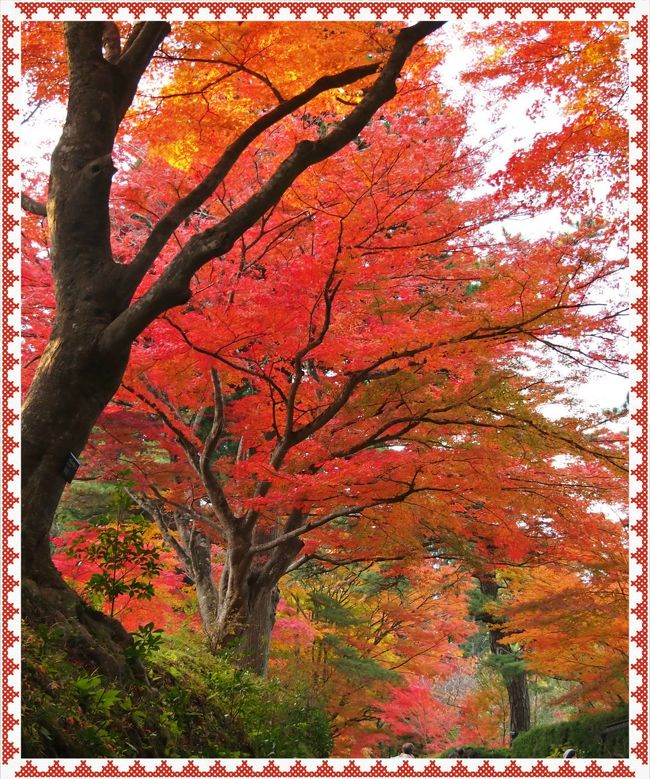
(96,320)
(516,683)
(244,626)
(248,600)
(238,614)
(519,699)
(255,644)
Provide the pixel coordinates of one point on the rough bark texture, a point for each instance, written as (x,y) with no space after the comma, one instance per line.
(76,378)
(517,687)
(237,612)
(256,640)
(96,320)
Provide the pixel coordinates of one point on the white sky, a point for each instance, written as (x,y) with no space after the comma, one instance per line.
(515,130)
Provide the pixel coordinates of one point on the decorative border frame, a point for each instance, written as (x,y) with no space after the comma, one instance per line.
(13,12)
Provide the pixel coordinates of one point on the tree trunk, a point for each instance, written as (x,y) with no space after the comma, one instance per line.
(74,381)
(255,643)
(239,614)
(243,624)
(72,386)
(247,607)
(517,686)
(69,391)
(515,681)
(194,551)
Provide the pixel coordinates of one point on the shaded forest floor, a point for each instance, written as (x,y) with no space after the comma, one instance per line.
(194,705)
(198,705)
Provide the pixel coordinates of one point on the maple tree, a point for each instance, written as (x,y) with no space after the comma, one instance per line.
(303,391)
(415,714)
(97,318)
(359,634)
(587,605)
(352,379)
(484,718)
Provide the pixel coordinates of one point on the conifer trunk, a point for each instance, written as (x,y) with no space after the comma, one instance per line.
(519,699)
(515,681)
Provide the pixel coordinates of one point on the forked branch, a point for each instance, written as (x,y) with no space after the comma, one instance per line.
(173,286)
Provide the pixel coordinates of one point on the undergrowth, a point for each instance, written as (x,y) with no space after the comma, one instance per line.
(194,705)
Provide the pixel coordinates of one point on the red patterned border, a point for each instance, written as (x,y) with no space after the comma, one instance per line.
(345,768)
(336,768)
(9,389)
(640,389)
(377,8)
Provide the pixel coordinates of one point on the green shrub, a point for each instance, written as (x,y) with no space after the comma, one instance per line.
(274,720)
(470,751)
(195,705)
(585,735)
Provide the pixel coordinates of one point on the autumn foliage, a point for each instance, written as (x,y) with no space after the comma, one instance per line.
(352,413)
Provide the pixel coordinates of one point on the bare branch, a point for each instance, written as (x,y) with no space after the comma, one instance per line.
(33,206)
(158,514)
(215,491)
(226,361)
(335,562)
(617,461)
(237,67)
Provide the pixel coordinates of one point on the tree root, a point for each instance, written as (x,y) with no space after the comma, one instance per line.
(90,638)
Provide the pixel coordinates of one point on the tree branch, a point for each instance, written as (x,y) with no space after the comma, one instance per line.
(159,518)
(352,383)
(139,48)
(184,207)
(189,447)
(617,461)
(314,340)
(33,206)
(339,563)
(111,42)
(237,67)
(215,491)
(345,511)
(173,286)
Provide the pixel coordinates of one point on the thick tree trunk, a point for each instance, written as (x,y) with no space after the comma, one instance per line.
(72,386)
(75,380)
(517,686)
(237,615)
(247,606)
(255,643)
(245,633)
